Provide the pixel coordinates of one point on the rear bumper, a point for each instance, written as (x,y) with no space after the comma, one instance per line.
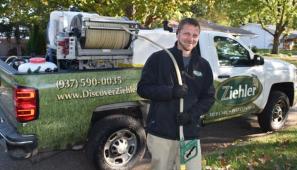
(18,145)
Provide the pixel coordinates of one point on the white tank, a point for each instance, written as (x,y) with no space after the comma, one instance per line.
(36,65)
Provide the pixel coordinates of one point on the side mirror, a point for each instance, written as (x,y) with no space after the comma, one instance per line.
(258,60)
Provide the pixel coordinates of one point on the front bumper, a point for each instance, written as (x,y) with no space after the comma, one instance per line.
(295,94)
(18,146)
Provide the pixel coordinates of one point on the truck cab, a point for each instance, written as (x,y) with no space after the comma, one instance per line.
(248,83)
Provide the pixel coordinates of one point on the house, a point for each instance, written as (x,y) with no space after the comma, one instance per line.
(210,26)
(207,25)
(243,35)
(8,46)
(290,41)
(263,40)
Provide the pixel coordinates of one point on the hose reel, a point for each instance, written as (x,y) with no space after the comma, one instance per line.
(97,42)
(102,32)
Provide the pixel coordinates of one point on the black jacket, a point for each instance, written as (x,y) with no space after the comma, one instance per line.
(156,83)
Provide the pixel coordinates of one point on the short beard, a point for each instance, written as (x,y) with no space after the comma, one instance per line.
(183,47)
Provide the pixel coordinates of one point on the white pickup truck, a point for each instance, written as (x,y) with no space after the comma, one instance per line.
(245,82)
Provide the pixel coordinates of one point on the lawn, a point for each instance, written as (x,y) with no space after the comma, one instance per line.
(281,51)
(277,151)
(286,55)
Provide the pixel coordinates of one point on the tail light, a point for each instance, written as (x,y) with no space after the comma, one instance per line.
(26,104)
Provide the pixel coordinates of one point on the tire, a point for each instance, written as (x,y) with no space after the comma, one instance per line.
(275,113)
(116,142)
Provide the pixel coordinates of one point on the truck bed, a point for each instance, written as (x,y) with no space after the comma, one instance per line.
(67,100)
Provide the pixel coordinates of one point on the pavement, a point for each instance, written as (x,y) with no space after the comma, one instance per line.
(213,137)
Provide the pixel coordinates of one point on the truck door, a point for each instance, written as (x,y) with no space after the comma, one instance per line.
(238,81)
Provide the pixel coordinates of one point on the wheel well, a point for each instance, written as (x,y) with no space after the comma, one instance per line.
(130,111)
(287,88)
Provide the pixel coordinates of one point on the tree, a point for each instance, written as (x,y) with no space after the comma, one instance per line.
(32,15)
(14,22)
(212,10)
(147,12)
(35,14)
(281,13)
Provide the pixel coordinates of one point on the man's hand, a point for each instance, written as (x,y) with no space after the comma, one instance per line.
(183,118)
(180,91)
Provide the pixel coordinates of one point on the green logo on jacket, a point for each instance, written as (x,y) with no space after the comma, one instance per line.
(239,90)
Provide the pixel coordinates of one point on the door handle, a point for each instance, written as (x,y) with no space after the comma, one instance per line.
(223,76)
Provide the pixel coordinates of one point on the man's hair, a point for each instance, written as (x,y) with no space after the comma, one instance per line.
(187,21)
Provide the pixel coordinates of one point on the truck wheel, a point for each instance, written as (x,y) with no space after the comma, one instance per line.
(275,112)
(116,142)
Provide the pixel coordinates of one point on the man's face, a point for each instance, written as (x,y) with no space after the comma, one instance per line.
(188,37)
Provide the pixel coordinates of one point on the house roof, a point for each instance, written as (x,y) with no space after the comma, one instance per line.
(207,25)
(270,28)
(292,36)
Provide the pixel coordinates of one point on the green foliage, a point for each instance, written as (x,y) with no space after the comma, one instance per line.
(254,49)
(36,43)
(6,29)
(281,13)
(146,12)
(32,13)
(213,10)
(263,11)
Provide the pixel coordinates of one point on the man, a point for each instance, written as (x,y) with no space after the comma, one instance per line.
(159,84)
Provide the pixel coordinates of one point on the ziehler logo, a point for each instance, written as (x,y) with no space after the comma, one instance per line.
(239,90)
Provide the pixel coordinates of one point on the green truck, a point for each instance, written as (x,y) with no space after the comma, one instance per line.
(60,110)
(88,98)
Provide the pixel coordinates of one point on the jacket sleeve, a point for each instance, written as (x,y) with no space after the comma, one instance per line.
(206,97)
(148,87)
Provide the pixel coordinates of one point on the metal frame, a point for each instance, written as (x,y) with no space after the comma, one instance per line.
(84,54)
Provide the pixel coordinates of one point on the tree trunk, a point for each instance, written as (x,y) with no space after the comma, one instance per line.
(130,12)
(149,20)
(34,39)
(18,40)
(275,44)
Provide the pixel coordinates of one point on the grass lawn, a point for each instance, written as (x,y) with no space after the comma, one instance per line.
(275,151)
(285,55)
(281,51)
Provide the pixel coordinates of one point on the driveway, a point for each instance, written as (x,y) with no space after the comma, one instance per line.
(213,137)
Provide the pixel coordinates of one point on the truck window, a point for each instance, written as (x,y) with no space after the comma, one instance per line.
(231,53)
